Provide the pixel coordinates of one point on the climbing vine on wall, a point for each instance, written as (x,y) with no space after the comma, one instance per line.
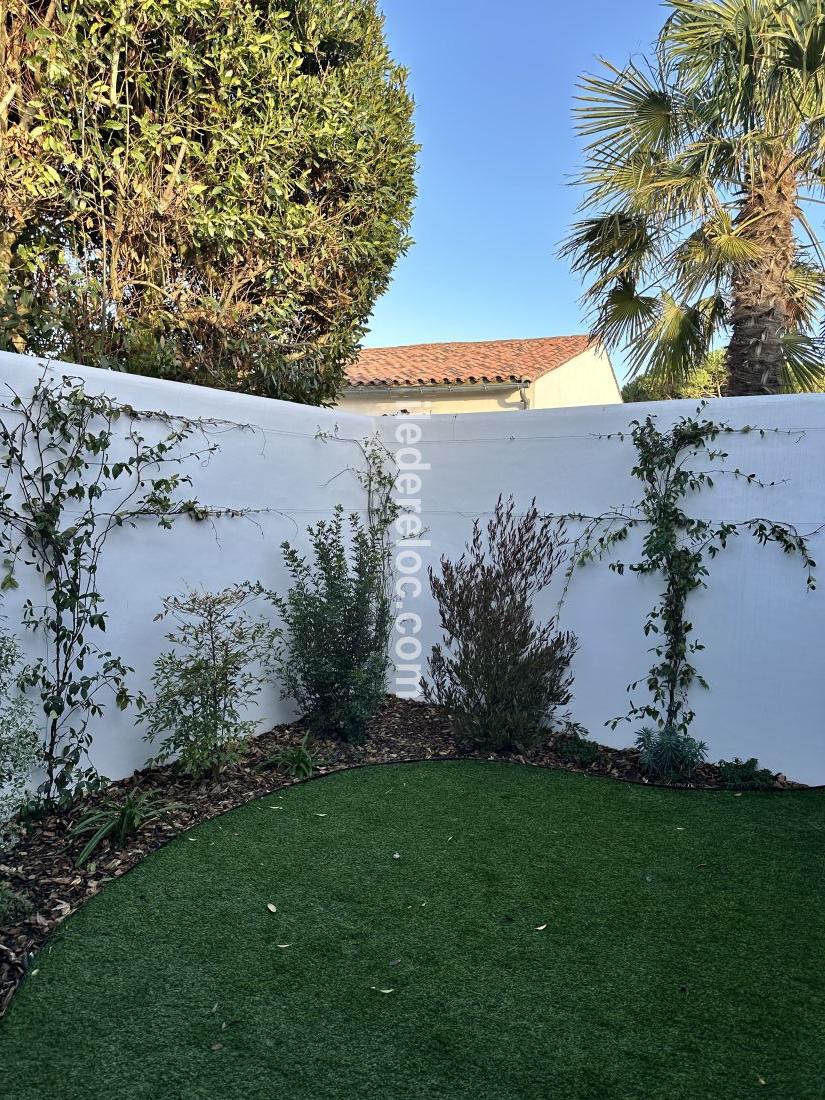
(673,466)
(376,474)
(69,478)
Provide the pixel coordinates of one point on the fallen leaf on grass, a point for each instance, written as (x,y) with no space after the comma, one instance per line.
(272,908)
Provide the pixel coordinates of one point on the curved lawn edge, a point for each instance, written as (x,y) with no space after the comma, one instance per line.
(607,866)
(45,871)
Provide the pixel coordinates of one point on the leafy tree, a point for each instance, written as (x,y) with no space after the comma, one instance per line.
(210,192)
(697,170)
(709,379)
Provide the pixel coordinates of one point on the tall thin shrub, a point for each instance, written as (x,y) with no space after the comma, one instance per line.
(502,676)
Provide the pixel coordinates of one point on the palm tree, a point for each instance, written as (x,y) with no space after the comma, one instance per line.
(699,168)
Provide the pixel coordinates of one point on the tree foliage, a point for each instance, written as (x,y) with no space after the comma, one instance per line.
(709,379)
(213,191)
(698,168)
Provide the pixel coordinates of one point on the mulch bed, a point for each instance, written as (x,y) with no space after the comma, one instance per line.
(41,869)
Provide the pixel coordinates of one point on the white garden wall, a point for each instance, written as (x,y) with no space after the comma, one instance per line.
(765,634)
(276,464)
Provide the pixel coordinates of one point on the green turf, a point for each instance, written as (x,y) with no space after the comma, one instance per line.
(682,956)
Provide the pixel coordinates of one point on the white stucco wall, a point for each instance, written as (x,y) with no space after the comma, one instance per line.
(765,634)
(277,465)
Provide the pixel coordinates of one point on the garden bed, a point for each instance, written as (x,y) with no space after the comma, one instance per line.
(41,868)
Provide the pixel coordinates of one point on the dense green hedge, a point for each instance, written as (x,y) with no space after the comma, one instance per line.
(209,190)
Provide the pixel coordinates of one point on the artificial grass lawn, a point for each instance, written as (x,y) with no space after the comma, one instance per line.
(682,955)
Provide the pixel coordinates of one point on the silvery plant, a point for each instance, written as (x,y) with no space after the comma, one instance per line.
(20,747)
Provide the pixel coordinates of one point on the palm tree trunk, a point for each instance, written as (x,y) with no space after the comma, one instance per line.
(759,305)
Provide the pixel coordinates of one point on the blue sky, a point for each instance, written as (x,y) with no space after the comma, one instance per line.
(494,86)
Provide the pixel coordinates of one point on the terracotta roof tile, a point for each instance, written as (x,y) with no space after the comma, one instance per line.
(445,364)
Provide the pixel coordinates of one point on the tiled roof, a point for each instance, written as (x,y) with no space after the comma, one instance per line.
(444,364)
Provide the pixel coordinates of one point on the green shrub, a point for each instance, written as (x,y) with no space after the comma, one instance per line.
(501,676)
(333,659)
(575,749)
(204,686)
(13,906)
(744,775)
(20,742)
(118,820)
(296,761)
(668,755)
(209,191)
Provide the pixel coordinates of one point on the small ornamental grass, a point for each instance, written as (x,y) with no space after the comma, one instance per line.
(297,761)
(116,821)
(206,685)
(502,677)
(333,659)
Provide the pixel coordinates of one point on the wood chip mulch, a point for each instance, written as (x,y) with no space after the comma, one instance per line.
(41,870)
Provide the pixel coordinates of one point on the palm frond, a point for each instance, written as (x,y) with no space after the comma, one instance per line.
(691,163)
(709,256)
(803,369)
(678,340)
(610,245)
(800,41)
(624,314)
(632,109)
(806,295)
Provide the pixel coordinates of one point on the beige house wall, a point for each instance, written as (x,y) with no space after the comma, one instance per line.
(588,379)
(430,399)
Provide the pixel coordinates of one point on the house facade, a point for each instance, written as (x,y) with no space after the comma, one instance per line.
(490,376)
